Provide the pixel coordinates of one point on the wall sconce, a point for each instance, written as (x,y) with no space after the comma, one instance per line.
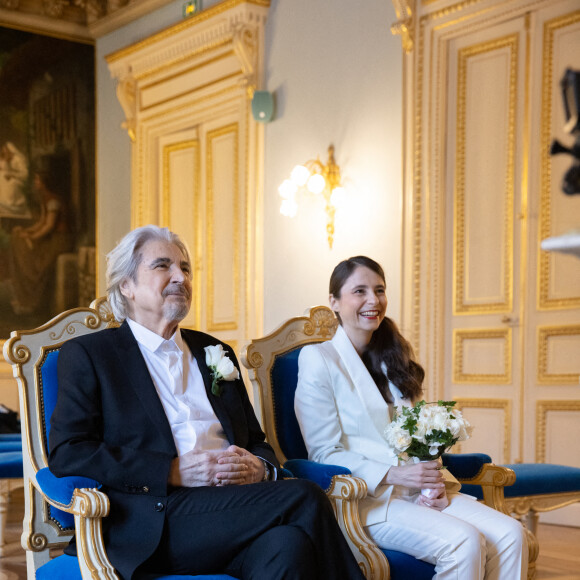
(316,178)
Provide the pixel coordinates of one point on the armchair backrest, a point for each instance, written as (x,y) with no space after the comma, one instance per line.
(272,363)
(33,355)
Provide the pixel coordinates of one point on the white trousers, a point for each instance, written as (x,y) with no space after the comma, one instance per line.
(466,541)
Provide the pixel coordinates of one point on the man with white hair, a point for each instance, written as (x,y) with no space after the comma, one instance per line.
(161,417)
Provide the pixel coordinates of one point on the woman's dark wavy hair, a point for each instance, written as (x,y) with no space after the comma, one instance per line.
(387,344)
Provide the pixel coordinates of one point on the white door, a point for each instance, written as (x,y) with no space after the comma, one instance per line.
(495,319)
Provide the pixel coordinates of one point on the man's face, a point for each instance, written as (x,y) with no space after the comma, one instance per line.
(160,296)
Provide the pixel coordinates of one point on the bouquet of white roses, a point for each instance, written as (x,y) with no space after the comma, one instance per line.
(426,430)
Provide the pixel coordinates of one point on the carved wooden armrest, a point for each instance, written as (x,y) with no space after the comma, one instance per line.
(344,492)
(493,478)
(88,506)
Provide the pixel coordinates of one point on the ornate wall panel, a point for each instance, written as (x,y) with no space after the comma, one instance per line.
(559,355)
(484,176)
(558,422)
(558,276)
(482,356)
(492,426)
(180,203)
(224,226)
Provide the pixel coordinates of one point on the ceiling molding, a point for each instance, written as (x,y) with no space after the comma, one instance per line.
(76,20)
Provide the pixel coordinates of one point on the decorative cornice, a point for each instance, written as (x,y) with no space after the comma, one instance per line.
(184,41)
(86,20)
(78,20)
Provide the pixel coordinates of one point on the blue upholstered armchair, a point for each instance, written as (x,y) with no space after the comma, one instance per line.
(57,508)
(272,363)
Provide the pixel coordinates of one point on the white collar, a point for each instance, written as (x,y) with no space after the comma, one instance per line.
(151,340)
(364,384)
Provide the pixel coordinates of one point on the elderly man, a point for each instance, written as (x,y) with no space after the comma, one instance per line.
(192,482)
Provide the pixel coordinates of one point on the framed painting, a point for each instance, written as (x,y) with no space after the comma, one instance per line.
(47,177)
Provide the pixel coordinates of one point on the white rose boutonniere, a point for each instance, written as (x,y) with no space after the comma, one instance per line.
(222,368)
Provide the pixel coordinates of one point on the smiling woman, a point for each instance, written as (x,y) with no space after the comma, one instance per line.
(347,391)
(360,304)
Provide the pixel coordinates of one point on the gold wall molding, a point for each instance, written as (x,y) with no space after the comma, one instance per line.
(459,305)
(418,210)
(544,335)
(213,268)
(503,404)
(168,151)
(459,339)
(549,77)
(542,410)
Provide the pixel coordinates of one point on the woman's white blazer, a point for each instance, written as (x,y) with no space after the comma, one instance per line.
(342,416)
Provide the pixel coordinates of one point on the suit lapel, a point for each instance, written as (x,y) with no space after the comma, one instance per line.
(364,384)
(193,340)
(137,376)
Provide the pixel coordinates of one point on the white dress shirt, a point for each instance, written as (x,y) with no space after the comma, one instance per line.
(180,387)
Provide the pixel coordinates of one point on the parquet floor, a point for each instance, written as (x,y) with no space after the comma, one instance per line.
(559,549)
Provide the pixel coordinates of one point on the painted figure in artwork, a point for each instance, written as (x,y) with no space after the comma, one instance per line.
(13,176)
(34,249)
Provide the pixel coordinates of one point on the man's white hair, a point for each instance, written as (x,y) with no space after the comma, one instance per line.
(124,259)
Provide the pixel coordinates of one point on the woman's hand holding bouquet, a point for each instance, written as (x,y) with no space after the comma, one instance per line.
(422,434)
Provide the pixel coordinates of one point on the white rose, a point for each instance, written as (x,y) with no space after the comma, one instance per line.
(398,438)
(440,419)
(213,355)
(226,369)
(403,440)
(455,427)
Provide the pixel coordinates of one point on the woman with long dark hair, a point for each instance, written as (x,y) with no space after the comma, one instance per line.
(347,389)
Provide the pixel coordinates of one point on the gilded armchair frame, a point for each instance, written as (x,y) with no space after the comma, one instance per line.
(345,491)
(529,507)
(26,351)
(318,325)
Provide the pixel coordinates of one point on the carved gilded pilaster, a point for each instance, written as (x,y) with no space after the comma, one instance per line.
(405,25)
(126,93)
(244,43)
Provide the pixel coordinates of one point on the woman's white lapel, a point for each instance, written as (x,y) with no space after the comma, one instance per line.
(368,392)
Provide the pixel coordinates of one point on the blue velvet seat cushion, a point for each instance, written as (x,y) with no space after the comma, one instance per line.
(465,465)
(538,478)
(319,473)
(405,567)
(10,464)
(10,446)
(535,479)
(10,437)
(67,568)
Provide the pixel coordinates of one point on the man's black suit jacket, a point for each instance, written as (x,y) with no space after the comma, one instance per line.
(109,424)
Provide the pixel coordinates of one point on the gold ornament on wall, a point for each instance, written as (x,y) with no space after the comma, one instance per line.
(315,178)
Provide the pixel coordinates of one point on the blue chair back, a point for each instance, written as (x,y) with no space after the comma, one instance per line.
(284,378)
(47,392)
